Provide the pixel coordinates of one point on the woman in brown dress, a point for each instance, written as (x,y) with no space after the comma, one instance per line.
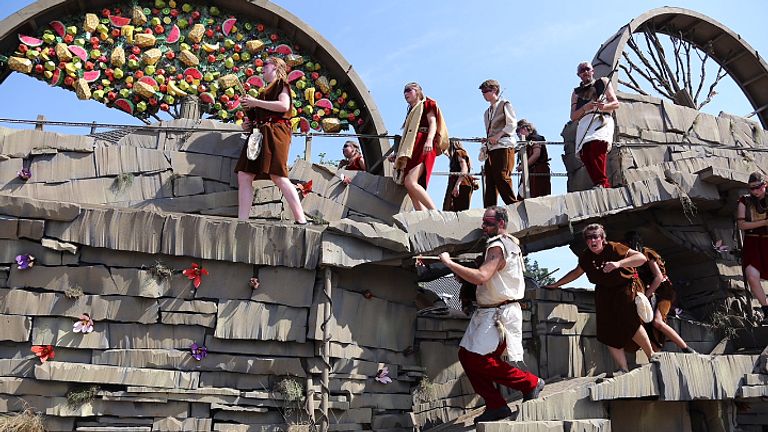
(653,274)
(270,112)
(752,218)
(458,192)
(611,267)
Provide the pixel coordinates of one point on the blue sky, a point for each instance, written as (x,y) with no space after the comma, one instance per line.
(449,47)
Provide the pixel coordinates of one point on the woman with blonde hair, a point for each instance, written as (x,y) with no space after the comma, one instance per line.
(424,137)
(270,113)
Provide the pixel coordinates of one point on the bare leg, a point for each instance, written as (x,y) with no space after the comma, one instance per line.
(244,194)
(290,194)
(641,338)
(619,357)
(419,196)
(660,325)
(753,279)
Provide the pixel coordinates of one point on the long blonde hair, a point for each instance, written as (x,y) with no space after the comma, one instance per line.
(281,69)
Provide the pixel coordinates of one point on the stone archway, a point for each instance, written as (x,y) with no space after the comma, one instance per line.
(35,17)
(727,48)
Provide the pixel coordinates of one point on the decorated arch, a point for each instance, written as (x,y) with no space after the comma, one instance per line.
(733,55)
(143,57)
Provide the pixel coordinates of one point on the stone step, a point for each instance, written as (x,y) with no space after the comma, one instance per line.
(583,425)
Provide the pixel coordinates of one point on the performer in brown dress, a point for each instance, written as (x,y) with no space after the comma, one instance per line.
(458,191)
(270,112)
(752,218)
(653,274)
(539,176)
(611,267)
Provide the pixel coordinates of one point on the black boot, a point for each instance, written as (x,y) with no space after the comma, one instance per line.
(533,394)
(494,414)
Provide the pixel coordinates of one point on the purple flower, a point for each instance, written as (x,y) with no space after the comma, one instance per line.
(83,325)
(24,174)
(25,261)
(382,376)
(198,352)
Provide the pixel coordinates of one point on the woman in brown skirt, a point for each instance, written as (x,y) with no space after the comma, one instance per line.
(752,218)
(653,274)
(270,112)
(611,267)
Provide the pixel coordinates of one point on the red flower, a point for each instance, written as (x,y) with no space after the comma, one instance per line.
(45,352)
(304,188)
(195,274)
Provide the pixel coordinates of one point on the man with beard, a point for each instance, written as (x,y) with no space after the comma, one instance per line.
(496,327)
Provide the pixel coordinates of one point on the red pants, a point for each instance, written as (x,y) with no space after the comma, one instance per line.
(594,156)
(484,370)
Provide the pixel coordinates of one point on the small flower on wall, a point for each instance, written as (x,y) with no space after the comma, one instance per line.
(83,325)
(25,261)
(367,294)
(382,375)
(195,274)
(254,282)
(24,174)
(45,352)
(304,188)
(198,352)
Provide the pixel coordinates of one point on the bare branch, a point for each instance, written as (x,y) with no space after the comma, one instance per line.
(663,91)
(633,87)
(650,70)
(712,93)
(702,73)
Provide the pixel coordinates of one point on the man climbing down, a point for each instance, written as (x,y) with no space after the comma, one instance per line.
(496,327)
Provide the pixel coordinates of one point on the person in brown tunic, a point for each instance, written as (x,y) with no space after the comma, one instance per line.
(752,218)
(539,176)
(611,267)
(270,112)
(653,274)
(458,191)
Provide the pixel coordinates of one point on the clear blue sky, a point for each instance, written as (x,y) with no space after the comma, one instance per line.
(449,47)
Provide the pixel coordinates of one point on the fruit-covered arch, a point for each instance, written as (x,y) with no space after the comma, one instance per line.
(144,56)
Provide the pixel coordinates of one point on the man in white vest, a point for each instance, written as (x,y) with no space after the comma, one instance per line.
(496,327)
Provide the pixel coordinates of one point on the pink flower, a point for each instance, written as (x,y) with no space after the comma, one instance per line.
(382,376)
(24,174)
(45,352)
(195,274)
(83,325)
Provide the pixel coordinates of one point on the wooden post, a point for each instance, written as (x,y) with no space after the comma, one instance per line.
(524,159)
(308,148)
(93,127)
(325,385)
(39,124)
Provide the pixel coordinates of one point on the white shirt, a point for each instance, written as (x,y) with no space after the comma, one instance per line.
(594,127)
(482,336)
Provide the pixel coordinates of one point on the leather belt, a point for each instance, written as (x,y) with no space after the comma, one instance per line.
(498,305)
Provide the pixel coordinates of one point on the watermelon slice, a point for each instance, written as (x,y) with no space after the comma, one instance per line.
(30,41)
(79,51)
(207,98)
(119,21)
(255,81)
(150,81)
(233,104)
(304,125)
(226,26)
(195,72)
(91,76)
(58,27)
(283,49)
(324,103)
(295,75)
(174,35)
(125,105)
(58,77)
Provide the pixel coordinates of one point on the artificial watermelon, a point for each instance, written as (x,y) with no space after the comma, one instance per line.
(295,75)
(91,76)
(226,26)
(174,35)
(58,27)
(324,103)
(125,105)
(119,21)
(255,81)
(283,49)
(195,72)
(79,51)
(30,41)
